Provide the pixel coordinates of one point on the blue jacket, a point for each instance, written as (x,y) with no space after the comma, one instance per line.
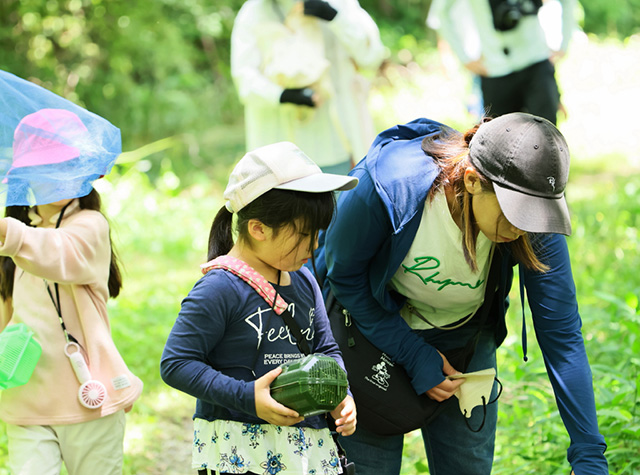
(365,245)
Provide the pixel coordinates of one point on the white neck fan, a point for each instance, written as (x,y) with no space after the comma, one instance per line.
(92,393)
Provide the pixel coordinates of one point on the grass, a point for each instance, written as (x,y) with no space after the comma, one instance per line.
(161,228)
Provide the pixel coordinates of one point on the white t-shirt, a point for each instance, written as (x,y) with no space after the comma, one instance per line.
(434,276)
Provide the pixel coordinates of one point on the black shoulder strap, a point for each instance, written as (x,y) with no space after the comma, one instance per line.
(294,328)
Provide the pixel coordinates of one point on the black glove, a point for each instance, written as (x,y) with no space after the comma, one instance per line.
(320,9)
(301,96)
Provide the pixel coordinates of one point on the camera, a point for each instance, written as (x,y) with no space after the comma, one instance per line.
(507,13)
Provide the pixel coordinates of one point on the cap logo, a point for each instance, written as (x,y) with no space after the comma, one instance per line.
(552,182)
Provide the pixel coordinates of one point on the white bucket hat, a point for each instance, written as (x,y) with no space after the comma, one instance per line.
(282,166)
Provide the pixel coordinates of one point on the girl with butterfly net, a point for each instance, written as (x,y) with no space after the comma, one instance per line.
(57,271)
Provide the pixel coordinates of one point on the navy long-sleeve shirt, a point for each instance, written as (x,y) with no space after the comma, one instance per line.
(226,331)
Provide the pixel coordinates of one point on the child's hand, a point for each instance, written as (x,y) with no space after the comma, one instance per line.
(345,416)
(268,408)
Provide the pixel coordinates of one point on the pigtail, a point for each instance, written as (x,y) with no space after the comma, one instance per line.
(115,277)
(7,275)
(94,202)
(7,266)
(220,236)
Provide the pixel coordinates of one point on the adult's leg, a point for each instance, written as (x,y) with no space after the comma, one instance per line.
(97,443)
(541,92)
(33,450)
(372,453)
(452,448)
(501,95)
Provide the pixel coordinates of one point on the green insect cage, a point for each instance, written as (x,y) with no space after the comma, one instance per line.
(311,385)
(19,354)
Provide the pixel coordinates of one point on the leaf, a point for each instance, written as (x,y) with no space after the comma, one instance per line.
(618,414)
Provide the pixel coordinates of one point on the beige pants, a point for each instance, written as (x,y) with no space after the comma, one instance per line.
(85,448)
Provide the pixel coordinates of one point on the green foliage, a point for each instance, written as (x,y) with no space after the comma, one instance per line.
(156,69)
(619,18)
(611,290)
(159,69)
(402,25)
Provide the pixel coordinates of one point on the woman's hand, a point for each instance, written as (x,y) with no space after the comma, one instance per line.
(446,388)
(268,408)
(345,416)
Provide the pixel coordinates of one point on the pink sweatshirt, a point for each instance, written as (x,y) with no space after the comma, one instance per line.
(77,256)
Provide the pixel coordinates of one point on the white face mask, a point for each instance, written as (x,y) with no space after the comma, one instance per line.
(476,390)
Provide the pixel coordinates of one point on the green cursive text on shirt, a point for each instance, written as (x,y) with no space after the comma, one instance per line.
(428,263)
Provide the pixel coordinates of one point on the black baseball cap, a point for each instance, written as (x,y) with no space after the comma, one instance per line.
(527,159)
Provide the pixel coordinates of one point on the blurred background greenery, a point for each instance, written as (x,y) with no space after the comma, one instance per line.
(159,70)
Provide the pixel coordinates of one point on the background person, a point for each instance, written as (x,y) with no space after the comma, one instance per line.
(296,66)
(507,46)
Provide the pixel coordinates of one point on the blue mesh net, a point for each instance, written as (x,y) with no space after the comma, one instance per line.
(50,148)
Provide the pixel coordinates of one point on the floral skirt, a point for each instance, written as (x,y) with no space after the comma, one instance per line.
(265,449)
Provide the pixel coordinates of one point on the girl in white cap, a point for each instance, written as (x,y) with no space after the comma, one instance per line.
(437,217)
(227,343)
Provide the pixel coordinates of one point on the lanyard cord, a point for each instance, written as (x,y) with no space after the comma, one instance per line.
(291,324)
(273,310)
(68,337)
(293,327)
(56,302)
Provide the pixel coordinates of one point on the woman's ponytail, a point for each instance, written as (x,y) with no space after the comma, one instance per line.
(220,236)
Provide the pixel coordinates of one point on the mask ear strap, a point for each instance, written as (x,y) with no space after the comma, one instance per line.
(499,392)
(484,409)
(484,417)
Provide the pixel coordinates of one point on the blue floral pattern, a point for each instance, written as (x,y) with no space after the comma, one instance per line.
(235,447)
(233,463)
(300,442)
(254,432)
(197,444)
(273,464)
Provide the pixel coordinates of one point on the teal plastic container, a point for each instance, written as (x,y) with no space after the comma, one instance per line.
(311,385)
(19,355)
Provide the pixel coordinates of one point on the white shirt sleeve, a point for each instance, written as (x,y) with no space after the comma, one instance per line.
(246,58)
(358,33)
